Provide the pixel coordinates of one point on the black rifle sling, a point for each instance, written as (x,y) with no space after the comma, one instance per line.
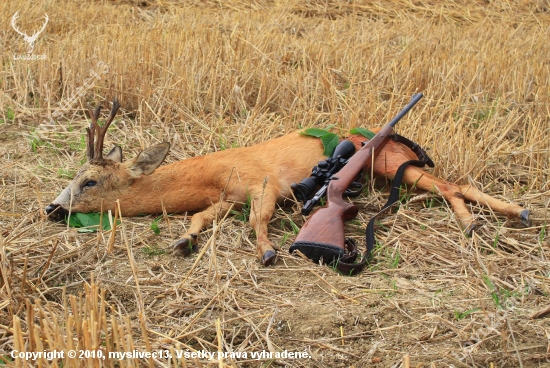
(345,264)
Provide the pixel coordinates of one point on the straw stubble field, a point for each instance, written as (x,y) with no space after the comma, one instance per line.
(211,75)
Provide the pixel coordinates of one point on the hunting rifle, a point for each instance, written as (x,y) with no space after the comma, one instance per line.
(322,236)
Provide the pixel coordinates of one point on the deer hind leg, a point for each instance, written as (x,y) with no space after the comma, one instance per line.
(455,195)
(263,202)
(511,210)
(200,220)
(452,193)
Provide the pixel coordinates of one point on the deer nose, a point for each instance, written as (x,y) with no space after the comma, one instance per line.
(51,208)
(56,213)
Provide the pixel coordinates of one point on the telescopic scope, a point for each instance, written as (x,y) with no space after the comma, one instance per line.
(324,171)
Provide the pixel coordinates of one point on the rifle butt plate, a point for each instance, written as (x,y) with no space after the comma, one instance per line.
(317,251)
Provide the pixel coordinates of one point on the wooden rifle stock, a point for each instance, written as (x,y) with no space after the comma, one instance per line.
(322,236)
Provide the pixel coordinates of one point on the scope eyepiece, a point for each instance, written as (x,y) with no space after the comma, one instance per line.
(304,189)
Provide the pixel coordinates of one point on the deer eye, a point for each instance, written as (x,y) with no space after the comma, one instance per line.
(90,183)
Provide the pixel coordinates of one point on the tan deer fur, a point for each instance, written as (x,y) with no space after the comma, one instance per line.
(210,185)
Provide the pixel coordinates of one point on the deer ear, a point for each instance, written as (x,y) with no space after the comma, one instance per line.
(147,161)
(115,154)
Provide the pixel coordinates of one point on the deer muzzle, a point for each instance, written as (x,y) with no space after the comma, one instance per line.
(56,213)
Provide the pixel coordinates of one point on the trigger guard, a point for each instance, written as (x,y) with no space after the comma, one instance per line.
(354,193)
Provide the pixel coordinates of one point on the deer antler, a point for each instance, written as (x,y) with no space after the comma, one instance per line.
(35,34)
(96,133)
(13,19)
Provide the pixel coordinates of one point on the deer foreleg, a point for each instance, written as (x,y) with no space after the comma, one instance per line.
(261,211)
(200,220)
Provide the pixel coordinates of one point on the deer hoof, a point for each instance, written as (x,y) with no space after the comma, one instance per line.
(470,229)
(269,258)
(524,218)
(183,247)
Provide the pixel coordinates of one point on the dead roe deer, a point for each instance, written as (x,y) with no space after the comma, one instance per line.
(211,185)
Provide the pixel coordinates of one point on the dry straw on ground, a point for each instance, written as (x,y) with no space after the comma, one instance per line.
(212,75)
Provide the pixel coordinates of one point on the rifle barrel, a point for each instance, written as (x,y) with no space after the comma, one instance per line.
(415,98)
